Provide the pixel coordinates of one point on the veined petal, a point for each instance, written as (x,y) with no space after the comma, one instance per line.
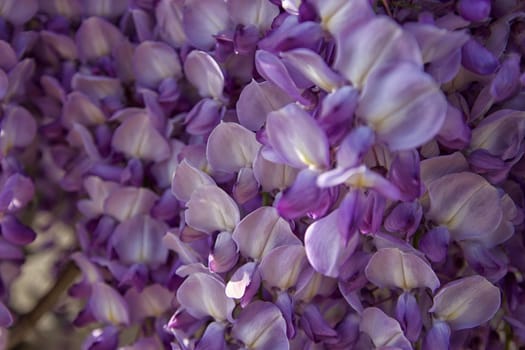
(403,105)
(384,331)
(313,67)
(202,19)
(203,295)
(257,100)
(297,138)
(107,305)
(138,137)
(153,62)
(261,326)
(125,202)
(466,303)
(261,231)
(238,143)
(391,267)
(376,43)
(211,209)
(204,73)
(187,179)
(272,266)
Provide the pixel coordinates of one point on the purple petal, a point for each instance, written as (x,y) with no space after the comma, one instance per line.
(409,316)
(211,209)
(6,319)
(256,101)
(354,147)
(273,69)
(107,305)
(336,112)
(154,62)
(259,13)
(104,339)
(204,116)
(153,301)
(15,232)
(138,137)
(203,295)
(139,240)
(403,105)
(313,67)
(17,192)
(337,16)
(476,58)
(78,108)
(143,24)
(246,186)
(244,283)
(325,247)
(455,133)
(404,218)
(184,250)
(18,128)
(435,243)
(391,268)
(466,204)
(203,72)
(438,337)
(96,38)
(202,20)
(437,167)
(297,138)
(224,255)
(168,15)
(272,272)
(315,326)
(404,173)
(126,202)
(98,88)
(187,179)
(213,338)
(371,46)
(261,231)
(350,215)
(474,10)
(506,81)
(467,302)
(20,12)
(383,330)
(272,175)
(234,140)
(261,326)
(104,8)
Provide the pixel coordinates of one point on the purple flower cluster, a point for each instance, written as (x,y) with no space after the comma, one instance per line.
(270,174)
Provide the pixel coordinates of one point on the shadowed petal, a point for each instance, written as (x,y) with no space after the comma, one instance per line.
(18,128)
(403,105)
(272,175)
(261,326)
(202,19)
(234,140)
(391,267)
(224,255)
(297,138)
(203,295)
(6,319)
(438,337)
(466,303)
(211,209)
(18,12)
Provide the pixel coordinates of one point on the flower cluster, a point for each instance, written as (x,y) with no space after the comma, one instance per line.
(267,174)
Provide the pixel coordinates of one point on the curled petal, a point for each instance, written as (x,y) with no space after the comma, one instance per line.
(224,255)
(368,47)
(383,330)
(153,62)
(466,303)
(297,138)
(391,267)
(403,105)
(261,231)
(203,295)
(244,283)
(234,140)
(204,73)
(438,337)
(211,209)
(15,232)
(261,326)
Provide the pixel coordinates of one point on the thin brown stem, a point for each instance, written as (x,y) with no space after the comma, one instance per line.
(26,323)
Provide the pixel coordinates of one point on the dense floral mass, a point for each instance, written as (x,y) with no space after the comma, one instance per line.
(266,174)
